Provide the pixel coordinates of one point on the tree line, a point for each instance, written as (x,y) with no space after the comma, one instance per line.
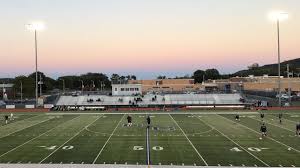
(99,81)
(87,82)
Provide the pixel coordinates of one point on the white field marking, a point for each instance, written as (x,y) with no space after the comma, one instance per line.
(108,140)
(25,128)
(148,147)
(274,125)
(199,133)
(290,120)
(235,142)
(68,140)
(266,136)
(35,138)
(189,141)
(164,113)
(34,115)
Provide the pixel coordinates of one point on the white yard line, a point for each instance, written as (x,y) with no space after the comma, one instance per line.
(234,142)
(35,138)
(19,120)
(105,166)
(154,113)
(189,141)
(25,128)
(108,140)
(69,139)
(148,147)
(266,136)
(285,119)
(274,125)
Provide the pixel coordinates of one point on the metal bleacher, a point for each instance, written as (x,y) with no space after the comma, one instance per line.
(168,99)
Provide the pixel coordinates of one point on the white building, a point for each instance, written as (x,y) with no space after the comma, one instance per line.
(126,89)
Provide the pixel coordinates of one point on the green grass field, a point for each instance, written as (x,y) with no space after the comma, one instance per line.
(214,139)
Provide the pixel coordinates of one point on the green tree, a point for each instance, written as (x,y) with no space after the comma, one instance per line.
(161,77)
(198,76)
(115,78)
(28,87)
(48,83)
(212,74)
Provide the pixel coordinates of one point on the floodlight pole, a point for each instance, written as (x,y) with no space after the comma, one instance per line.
(21,83)
(278,54)
(82,86)
(289,83)
(40,84)
(63,86)
(36,68)
(93,84)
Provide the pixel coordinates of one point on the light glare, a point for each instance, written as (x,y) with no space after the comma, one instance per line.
(278,15)
(35,26)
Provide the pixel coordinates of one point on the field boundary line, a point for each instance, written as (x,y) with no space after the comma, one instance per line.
(148,147)
(68,140)
(189,140)
(108,140)
(166,113)
(26,127)
(290,120)
(266,136)
(36,137)
(234,142)
(20,120)
(274,125)
(286,118)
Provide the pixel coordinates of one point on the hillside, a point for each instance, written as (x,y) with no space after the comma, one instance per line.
(272,69)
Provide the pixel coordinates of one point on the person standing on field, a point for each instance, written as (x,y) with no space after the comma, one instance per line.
(11,116)
(148,121)
(6,119)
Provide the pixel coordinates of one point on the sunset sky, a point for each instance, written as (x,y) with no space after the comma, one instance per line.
(144,37)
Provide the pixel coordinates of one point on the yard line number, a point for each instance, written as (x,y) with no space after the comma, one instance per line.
(252,149)
(156,148)
(68,147)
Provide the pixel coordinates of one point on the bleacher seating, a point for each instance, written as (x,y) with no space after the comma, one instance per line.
(168,99)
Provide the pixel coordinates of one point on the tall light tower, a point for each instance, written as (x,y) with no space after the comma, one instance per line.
(278,16)
(35,27)
(82,86)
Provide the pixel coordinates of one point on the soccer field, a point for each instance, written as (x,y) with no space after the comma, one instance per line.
(202,139)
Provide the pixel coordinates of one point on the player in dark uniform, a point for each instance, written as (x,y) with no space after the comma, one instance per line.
(298,129)
(262,115)
(6,119)
(263,130)
(280,118)
(129,120)
(237,117)
(148,121)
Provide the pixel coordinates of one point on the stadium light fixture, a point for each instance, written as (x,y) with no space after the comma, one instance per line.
(278,16)
(36,26)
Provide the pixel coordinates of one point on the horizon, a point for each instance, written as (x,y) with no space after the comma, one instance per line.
(143,38)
